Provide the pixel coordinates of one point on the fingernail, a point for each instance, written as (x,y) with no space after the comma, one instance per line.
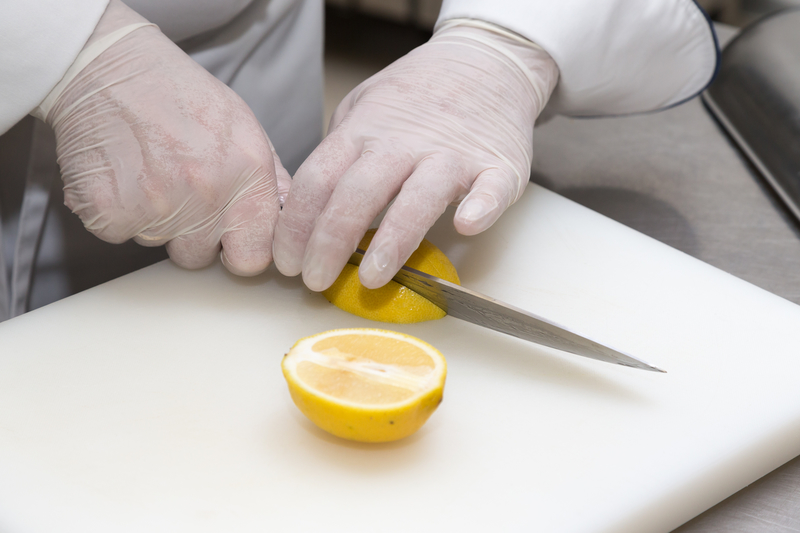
(478,214)
(473,210)
(285,261)
(317,275)
(376,266)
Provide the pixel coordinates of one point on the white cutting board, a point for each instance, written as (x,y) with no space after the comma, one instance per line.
(156,402)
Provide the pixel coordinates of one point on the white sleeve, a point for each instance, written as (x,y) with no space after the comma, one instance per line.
(39,40)
(614,56)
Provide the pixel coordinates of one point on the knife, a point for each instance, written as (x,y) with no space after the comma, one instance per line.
(482,310)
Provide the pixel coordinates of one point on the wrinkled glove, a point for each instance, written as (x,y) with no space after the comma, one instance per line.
(154,148)
(451,120)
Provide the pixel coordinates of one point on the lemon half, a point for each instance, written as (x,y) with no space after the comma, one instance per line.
(364,384)
(392,302)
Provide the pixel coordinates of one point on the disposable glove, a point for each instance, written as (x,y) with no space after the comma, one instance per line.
(452,120)
(154,148)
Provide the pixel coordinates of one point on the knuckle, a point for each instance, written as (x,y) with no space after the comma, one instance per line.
(190,261)
(99,214)
(245,266)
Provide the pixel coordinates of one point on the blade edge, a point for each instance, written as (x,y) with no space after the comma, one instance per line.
(485,311)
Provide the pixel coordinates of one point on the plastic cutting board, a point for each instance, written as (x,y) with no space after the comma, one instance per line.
(156,402)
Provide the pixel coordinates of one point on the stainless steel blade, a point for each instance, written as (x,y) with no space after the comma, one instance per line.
(488,312)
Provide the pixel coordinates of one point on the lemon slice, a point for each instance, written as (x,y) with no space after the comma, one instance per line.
(392,302)
(363,384)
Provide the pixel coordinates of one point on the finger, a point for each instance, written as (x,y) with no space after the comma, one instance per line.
(195,250)
(282,175)
(493,191)
(362,192)
(94,197)
(421,201)
(284,181)
(143,239)
(249,224)
(311,188)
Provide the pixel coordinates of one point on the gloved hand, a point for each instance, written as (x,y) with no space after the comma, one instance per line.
(451,120)
(154,148)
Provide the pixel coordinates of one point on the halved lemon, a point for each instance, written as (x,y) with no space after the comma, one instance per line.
(392,302)
(363,384)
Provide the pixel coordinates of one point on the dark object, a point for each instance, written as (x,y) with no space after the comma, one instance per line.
(756,98)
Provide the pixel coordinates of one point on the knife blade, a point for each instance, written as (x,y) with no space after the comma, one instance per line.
(488,312)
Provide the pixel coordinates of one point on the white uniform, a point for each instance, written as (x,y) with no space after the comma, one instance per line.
(615,57)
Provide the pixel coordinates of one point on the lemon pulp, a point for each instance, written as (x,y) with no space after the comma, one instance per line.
(392,302)
(364,384)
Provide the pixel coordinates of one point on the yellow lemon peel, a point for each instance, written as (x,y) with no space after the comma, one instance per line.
(392,302)
(363,384)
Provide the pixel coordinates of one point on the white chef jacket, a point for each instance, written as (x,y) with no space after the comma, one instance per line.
(268,51)
(614,56)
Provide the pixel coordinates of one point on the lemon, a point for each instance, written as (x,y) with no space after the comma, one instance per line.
(392,302)
(364,384)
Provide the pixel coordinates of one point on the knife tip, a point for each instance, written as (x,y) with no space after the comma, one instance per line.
(652,368)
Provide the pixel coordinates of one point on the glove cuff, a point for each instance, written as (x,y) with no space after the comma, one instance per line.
(488,26)
(541,86)
(86,56)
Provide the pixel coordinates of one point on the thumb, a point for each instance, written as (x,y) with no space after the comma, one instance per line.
(493,191)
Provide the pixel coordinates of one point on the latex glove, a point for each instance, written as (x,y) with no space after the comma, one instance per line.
(451,120)
(154,148)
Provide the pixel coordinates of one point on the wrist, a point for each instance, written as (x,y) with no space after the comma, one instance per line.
(518,52)
(117,22)
(117,15)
